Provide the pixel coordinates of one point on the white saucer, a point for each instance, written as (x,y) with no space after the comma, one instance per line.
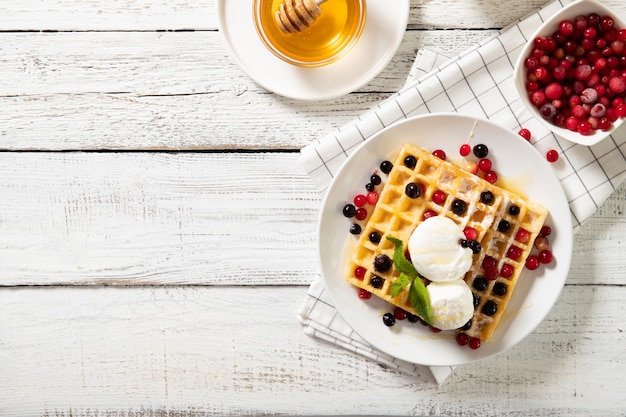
(384,28)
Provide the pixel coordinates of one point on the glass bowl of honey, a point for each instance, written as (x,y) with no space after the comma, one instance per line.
(332,35)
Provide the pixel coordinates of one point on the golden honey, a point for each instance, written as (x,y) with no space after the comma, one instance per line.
(333,33)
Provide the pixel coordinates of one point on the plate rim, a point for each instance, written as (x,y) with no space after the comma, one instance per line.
(565,219)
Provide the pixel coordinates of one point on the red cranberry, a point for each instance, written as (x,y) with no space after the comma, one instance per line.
(440,153)
(360,200)
(359,272)
(474,343)
(525,133)
(364,294)
(462,339)
(552,155)
(532,262)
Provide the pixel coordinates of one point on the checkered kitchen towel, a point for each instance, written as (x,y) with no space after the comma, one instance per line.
(478,82)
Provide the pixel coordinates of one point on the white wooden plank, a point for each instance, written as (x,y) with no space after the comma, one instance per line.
(205,350)
(164,63)
(102,15)
(132,218)
(194,218)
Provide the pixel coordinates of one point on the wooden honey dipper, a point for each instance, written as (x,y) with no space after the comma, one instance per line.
(294,16)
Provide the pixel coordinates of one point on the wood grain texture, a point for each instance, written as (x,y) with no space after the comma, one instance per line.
(194,218)
(193,351)
(136,282)
(131,218)
(124,15)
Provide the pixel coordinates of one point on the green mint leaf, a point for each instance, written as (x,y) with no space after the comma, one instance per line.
(399,284)
(399,260)
(418,296)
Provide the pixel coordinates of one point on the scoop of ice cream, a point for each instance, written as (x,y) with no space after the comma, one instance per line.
(451,304)
(436,252)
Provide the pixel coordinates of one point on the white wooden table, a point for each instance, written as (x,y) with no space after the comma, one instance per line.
(157,233)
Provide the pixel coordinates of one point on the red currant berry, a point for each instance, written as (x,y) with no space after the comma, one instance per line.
(465,149)
(552,155)
(525,133)
(361,214)
(372,198)
(507,270)
(399,313)
(474,343)
(364,294)
(359,272)
(434,329)
(440,153)
(514,253)
(484,165)
(428,214)
(545,231)
(470,233)
(545,256)
(491,273)
(522,235)
(439,197)
(360,200)
(489,262)
(462,339)
(491,177)
(532,262)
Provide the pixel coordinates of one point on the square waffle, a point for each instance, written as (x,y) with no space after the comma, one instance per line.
(507,227)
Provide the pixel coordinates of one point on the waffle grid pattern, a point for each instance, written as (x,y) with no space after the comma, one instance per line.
(397,215)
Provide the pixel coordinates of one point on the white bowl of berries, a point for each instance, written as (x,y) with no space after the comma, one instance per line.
(571,75)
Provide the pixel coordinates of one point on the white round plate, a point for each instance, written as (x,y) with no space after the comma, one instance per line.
(385,26)
(535,292)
